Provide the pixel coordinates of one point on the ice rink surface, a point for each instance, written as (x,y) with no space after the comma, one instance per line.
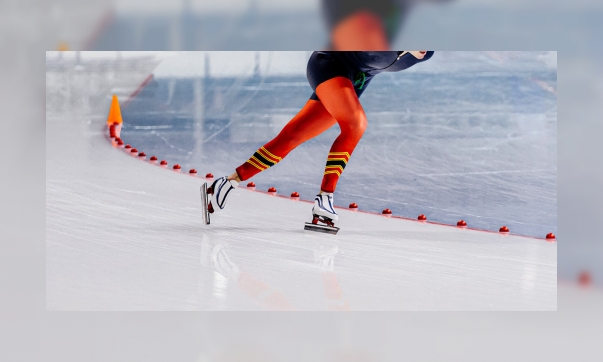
(465,135)
(123,234)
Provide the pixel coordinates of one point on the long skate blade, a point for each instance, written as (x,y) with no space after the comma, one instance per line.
(321,228)
(204,202)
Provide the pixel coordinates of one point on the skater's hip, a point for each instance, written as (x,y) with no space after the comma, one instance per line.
(323,66)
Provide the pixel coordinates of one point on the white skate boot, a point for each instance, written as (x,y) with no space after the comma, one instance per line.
(323,206)
(214,197)
(324,212)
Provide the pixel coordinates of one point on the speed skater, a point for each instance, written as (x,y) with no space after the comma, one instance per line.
(338,80)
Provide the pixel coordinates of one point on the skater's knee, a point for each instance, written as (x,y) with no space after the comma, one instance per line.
(355,124)
(362,123)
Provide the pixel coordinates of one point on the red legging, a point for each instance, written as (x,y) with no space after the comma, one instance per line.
(337,103)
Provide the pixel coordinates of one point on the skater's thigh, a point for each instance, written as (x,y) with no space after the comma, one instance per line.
(339,98)
(323,66)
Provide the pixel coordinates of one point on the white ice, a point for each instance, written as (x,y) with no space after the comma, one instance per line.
(122,234)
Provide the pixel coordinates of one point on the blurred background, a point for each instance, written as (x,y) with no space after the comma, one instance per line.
(306,24)
(29,28)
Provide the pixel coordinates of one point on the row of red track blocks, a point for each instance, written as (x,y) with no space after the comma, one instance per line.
(153,159)
(387,212)
(294,195)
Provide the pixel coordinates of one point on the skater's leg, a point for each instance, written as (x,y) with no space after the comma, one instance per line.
(338,97)
(311,121)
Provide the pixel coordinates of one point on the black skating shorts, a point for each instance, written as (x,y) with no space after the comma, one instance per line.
(323,66)
(390,12)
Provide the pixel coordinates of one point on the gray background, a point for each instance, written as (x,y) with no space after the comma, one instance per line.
(28,332)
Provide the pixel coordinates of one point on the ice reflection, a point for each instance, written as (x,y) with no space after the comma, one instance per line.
(272,293)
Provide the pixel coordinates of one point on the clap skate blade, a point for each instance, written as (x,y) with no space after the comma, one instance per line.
(328,228)
(205,203)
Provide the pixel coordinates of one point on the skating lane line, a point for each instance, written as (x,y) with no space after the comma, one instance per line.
(147,80)
(106,133)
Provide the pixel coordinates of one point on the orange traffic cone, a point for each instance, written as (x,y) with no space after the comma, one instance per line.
(114,120)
